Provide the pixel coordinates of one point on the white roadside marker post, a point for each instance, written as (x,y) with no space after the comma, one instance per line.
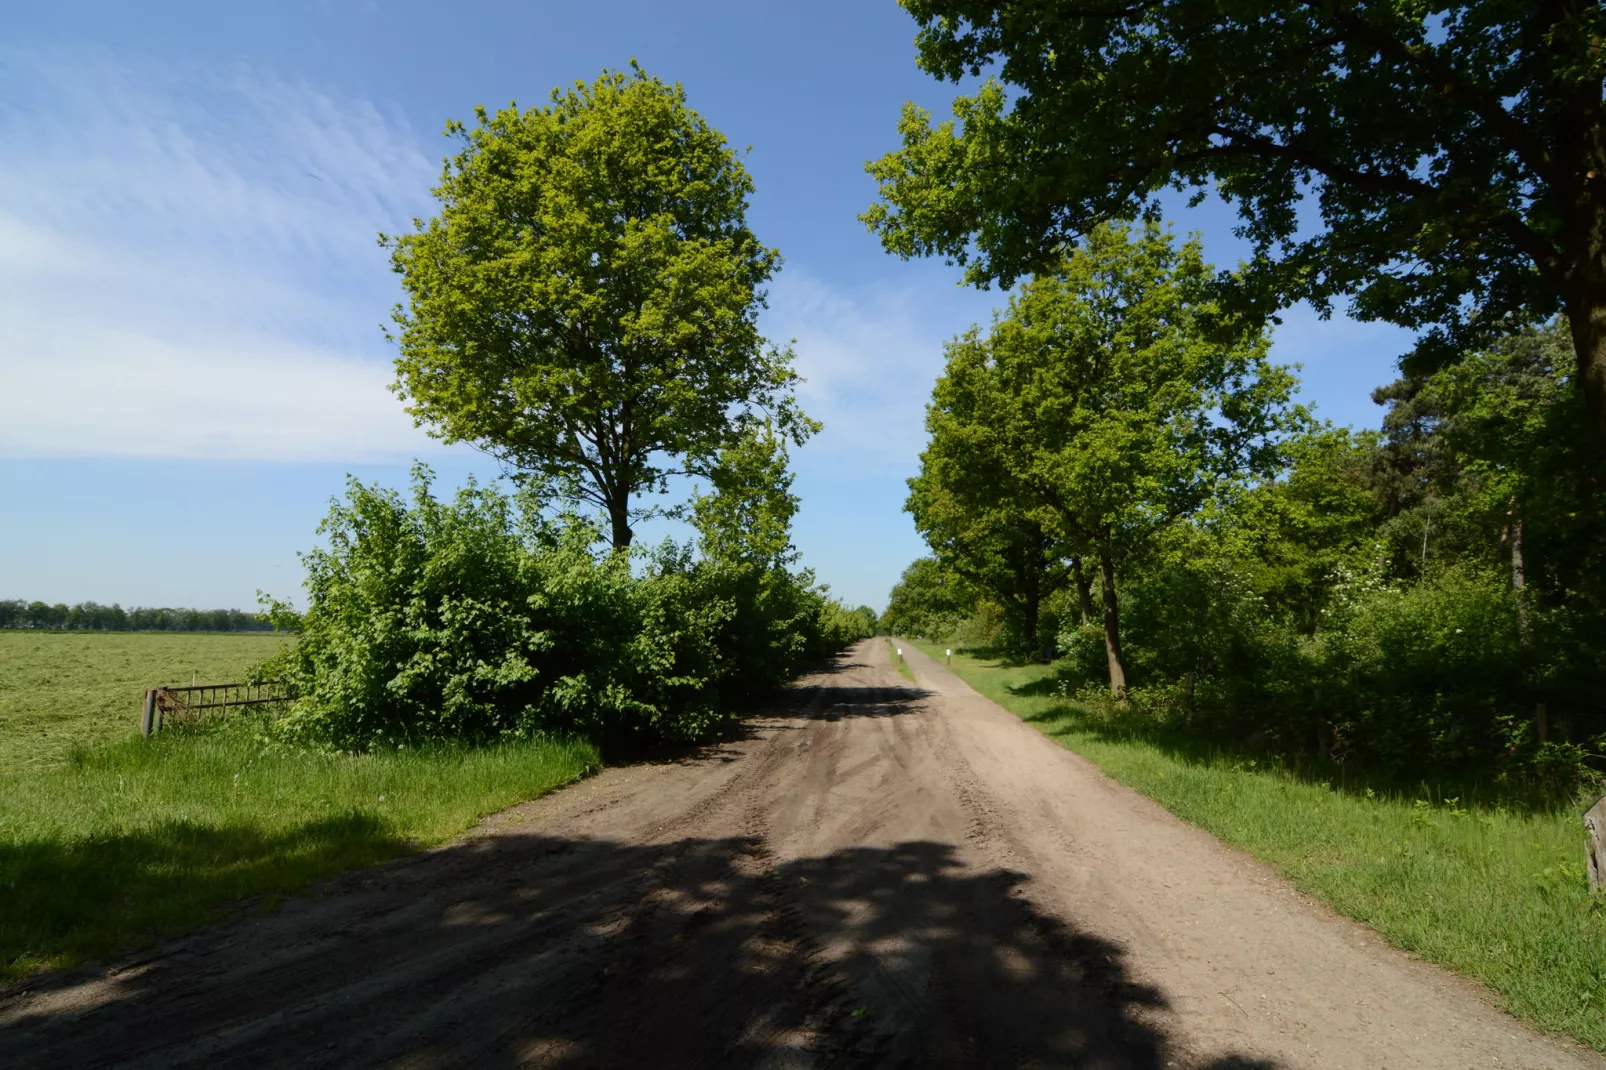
(947,657)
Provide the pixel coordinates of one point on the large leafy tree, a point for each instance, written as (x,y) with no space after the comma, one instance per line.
(1443,163)
(1114,406)
(585,304)
(979,521)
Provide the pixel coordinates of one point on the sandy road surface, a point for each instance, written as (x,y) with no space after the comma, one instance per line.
(878,875)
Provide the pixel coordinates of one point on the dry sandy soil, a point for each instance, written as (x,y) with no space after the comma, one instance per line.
(878,874)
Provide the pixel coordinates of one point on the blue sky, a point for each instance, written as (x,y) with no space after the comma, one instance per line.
(191,292)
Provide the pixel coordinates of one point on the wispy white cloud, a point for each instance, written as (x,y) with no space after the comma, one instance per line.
(188,268)
(869,357)
(188,264)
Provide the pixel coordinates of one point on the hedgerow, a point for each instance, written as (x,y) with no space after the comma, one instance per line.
(485,617)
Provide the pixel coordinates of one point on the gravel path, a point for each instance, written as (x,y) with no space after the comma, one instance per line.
(877,874)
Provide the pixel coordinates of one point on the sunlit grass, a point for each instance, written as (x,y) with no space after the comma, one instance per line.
(1495,892)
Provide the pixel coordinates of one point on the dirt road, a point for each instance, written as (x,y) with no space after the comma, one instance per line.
(881,874)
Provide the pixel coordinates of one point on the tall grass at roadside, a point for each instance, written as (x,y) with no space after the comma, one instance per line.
(1495,892)
(146,838)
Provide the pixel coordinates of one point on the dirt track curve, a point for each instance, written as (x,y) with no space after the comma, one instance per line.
(878,875)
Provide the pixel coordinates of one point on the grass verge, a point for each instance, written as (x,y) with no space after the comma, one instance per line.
(897,659)
(1495,893)
(137,840)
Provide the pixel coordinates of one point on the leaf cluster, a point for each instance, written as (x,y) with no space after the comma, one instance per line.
(1442,163)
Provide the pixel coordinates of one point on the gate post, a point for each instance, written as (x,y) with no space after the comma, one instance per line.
(147,719)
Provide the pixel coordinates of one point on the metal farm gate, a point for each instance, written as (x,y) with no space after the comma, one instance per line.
(189,703)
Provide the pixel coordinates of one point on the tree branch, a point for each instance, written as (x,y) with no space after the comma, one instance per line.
(1472,215)
(1527,146)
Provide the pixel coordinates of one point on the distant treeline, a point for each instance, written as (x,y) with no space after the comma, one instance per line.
(92,616)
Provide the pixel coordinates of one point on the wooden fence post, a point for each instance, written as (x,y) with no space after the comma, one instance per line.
(1595,827)
(147,717)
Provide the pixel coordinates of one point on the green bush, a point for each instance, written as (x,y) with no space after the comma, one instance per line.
(482,618)
(1411,678)
(1427,673)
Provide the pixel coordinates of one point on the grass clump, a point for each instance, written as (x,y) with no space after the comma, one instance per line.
(142,839)
(1492,890)
(61,689)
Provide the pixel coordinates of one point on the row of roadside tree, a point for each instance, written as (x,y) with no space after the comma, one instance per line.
(92,616)
(1118,475)
(1117,470)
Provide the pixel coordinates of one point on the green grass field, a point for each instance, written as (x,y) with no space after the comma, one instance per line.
(1495,893)
(109,841)
(64,689)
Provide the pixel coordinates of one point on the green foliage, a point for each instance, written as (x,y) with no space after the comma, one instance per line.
(1429,673)
(981,522)
(1107,395)
(1290,538)
(1421,602)
(748,518)
(1417,602)
(1102,407)
(585,304)
(483,618)
(1452,154)
(928,600)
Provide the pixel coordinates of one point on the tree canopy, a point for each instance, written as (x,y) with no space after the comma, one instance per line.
(980,520)
(927,599)
(585,304)
(748,515)
(1105,399)
(1442,164)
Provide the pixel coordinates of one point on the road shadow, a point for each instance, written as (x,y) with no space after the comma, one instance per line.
(836,702)
(520,950)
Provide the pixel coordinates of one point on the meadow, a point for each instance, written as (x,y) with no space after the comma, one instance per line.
(109,841)
(1491,889)
(65,689)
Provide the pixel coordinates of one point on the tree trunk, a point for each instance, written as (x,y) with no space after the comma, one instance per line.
(1112,625)
(1519,571)
(1586,317)
(619,519)
(1032,611)
(1084,590)
(1519,585)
